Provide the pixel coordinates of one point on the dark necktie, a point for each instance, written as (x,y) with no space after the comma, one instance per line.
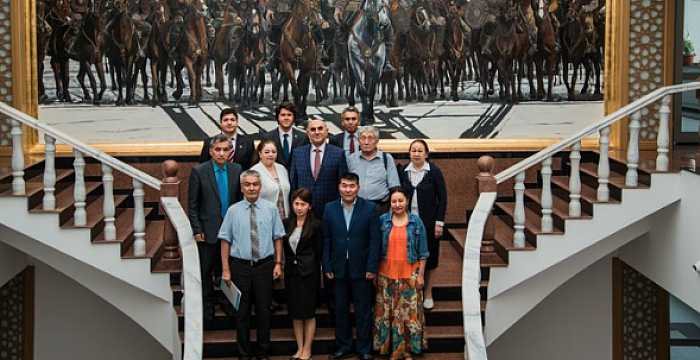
(317,163)
(352,143)
(254,243)
(285,146)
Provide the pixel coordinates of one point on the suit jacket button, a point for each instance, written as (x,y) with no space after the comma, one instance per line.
(295,262)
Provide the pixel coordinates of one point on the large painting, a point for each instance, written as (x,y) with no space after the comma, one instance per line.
(132,71)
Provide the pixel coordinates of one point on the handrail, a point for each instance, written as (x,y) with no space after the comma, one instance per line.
(103,157)
(192,282)
(622,112)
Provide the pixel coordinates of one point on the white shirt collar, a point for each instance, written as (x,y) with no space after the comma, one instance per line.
(290,132)
(410,167)
(322,147)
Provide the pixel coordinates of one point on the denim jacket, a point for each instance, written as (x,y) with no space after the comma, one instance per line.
(417,241)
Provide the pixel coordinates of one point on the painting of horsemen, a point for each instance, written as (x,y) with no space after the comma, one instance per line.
(414,68)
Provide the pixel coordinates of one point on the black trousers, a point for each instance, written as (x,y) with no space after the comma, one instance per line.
(253,281)
(209,264)
(361,292)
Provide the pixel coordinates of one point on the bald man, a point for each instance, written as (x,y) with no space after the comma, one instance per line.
(318,166)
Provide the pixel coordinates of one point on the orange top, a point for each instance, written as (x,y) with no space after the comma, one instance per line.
(396,265)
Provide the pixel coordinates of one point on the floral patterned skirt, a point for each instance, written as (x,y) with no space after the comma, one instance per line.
(399,321)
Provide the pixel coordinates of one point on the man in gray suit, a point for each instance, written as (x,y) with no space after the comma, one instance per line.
(214,186)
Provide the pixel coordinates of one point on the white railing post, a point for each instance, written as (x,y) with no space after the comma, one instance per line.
(631,177)
(519,212)
(604,165)
(49,200)
(662,137)
(546,198)
(575,181)
(18,185)
(79,216)
(139,220)
(110,230)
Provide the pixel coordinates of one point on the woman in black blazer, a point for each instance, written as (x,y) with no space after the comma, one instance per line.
(425,186)
(302,270)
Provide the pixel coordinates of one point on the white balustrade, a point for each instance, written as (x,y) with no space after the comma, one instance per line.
(18,185)
(604,165)
(575,181)
(80,216)
(139,220)
(110,230)
(519,212)
(632,177)
(662,137)
(546,196)
(49,200)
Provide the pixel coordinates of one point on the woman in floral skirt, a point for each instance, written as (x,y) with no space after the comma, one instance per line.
(399,321)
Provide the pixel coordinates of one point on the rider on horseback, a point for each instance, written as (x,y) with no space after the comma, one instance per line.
(177,23)
(140,10)
(527,16)
(345,11)
(78,10)
(277,14)
(217,14)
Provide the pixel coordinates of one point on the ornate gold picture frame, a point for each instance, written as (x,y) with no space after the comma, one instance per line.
(616,94)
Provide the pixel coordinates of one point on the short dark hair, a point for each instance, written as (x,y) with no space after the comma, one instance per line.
(217,139)
(259,148)
(286,106)
(425,145)
(350,176)
(349,109)
(227,111)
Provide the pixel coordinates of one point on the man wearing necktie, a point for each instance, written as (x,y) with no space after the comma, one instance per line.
(317,166)
(241,145)
(251,257)
(213,187)
(348,139)
(285,136)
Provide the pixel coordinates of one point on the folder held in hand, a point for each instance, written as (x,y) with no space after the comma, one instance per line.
(232,293)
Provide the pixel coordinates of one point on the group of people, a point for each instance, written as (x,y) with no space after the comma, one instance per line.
(304,210)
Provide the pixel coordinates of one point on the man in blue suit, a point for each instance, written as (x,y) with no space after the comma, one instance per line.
(352,242)
(317,166)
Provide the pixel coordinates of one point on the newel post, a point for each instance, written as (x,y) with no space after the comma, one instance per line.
(170,187)
(486,182)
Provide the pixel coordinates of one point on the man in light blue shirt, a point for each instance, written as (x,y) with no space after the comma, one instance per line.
(251,248)
(376,169)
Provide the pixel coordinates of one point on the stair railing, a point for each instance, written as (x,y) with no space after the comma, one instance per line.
(473,332)
(169,202)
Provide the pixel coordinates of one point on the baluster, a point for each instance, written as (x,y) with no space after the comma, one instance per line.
(18,185)
(631,177)
(110,230)
(49,200)
(662,138)
(519,213)
(486,182)
(79,216)
(546,196)
(575,181)
(170,187)
(139,220)
(604,166)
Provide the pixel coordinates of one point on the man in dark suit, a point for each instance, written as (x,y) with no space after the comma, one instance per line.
(242,145)
(348,140)
(317,166)
(285,136)
(213,187)
(352,242)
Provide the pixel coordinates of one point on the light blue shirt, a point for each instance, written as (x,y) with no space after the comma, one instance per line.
(347,212)
(375,180)
(235,228)
(346,142)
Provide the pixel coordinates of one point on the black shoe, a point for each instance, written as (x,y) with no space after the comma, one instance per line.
(341,355)
(366,357)
(245,358)
(263,357)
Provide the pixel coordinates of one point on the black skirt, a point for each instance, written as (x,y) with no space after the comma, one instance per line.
(302,295)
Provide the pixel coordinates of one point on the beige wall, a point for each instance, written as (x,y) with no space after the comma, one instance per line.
(72,323)
(574,322)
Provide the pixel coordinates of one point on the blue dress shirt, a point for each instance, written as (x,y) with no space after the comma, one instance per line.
(235,228)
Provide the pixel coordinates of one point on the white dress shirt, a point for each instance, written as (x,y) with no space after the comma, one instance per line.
(416,176)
